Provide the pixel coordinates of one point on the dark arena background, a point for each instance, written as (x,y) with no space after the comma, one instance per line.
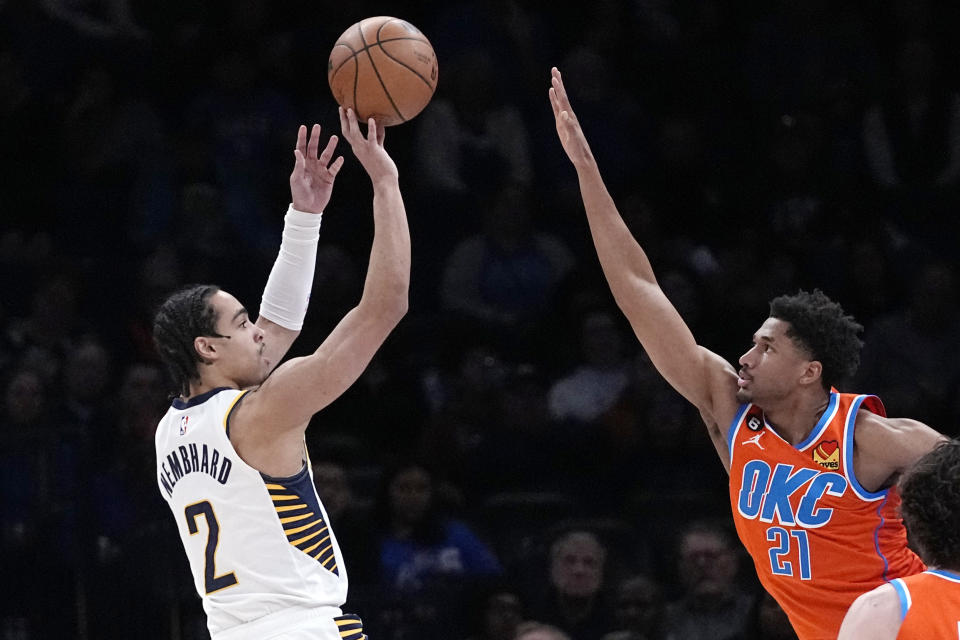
(754,148)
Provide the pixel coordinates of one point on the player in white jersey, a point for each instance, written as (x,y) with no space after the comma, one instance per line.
(231,455)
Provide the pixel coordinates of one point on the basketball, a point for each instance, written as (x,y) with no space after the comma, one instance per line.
(383,68)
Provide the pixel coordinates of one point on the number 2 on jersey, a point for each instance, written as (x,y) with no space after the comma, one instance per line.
(783,541)
(212,581)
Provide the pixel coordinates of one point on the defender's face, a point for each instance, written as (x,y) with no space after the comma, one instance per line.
(772,367)
(240,350)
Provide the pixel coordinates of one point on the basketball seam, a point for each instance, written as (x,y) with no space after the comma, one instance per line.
(377,72)
(404,64)
(366,47)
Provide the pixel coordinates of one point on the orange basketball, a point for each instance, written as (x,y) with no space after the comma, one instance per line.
(383,68)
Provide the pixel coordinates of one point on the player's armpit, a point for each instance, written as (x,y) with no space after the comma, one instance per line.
(277,339)
(886,447)
(873,616)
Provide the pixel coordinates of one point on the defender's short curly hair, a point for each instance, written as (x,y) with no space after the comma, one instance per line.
(819,326)
(183,316)
(930,505)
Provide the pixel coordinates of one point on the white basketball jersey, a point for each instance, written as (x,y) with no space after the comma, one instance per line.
(257,545)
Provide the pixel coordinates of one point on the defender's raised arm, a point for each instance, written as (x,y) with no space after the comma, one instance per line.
(701,376)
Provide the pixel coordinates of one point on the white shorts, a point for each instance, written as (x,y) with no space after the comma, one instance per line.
(299,623)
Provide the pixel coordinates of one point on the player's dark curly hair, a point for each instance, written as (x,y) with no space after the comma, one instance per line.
(930,505)
(183,316)
(819,326)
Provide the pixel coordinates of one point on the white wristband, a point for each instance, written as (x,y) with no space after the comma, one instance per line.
(287,293)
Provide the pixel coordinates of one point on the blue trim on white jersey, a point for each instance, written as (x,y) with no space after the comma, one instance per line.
(821,424)
(903,595)
(848,453)
(952,576)
(181,404)
(732,429)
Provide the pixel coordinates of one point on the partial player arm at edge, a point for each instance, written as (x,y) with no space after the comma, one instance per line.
(875,615)
(887,447)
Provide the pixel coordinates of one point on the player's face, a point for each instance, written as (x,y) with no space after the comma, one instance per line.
(240,350)
(772,367)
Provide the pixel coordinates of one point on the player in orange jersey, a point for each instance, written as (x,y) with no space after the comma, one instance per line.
(925,605)
(812,471)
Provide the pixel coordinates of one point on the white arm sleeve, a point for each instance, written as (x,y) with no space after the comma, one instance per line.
(287,293)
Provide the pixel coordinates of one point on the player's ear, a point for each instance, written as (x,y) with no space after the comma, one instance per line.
(811,372)
(205,349)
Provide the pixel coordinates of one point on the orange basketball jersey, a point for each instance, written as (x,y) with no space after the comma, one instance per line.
(929,605)
(817,538)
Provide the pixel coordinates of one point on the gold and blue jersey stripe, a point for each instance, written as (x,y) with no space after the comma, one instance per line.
(350,627)
(298,509)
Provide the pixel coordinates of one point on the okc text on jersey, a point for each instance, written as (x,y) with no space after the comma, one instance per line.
(765,493)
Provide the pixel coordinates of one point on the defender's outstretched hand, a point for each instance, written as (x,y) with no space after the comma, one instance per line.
(368,148)
(568,128)
(311,182)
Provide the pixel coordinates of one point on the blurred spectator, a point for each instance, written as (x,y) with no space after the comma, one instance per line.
(503,278)
(924,340)
(533,630)
(496,612)
(38,509)
(912,132)
(117,185)
(470,136)
(42,338)
(426,559)
(638,609)
(602,372)
(247,129)
(127,520)
(350,518)
(767,621)
(573,598)
(712,606)
(87,375)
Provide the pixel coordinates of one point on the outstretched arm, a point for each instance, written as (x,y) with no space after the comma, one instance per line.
(699,375)
(271,420)
(287,292)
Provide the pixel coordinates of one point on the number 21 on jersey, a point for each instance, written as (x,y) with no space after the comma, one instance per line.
(789,543)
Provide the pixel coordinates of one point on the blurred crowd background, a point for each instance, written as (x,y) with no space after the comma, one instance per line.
(510,454)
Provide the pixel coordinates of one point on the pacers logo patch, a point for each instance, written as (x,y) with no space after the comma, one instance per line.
(827,454)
